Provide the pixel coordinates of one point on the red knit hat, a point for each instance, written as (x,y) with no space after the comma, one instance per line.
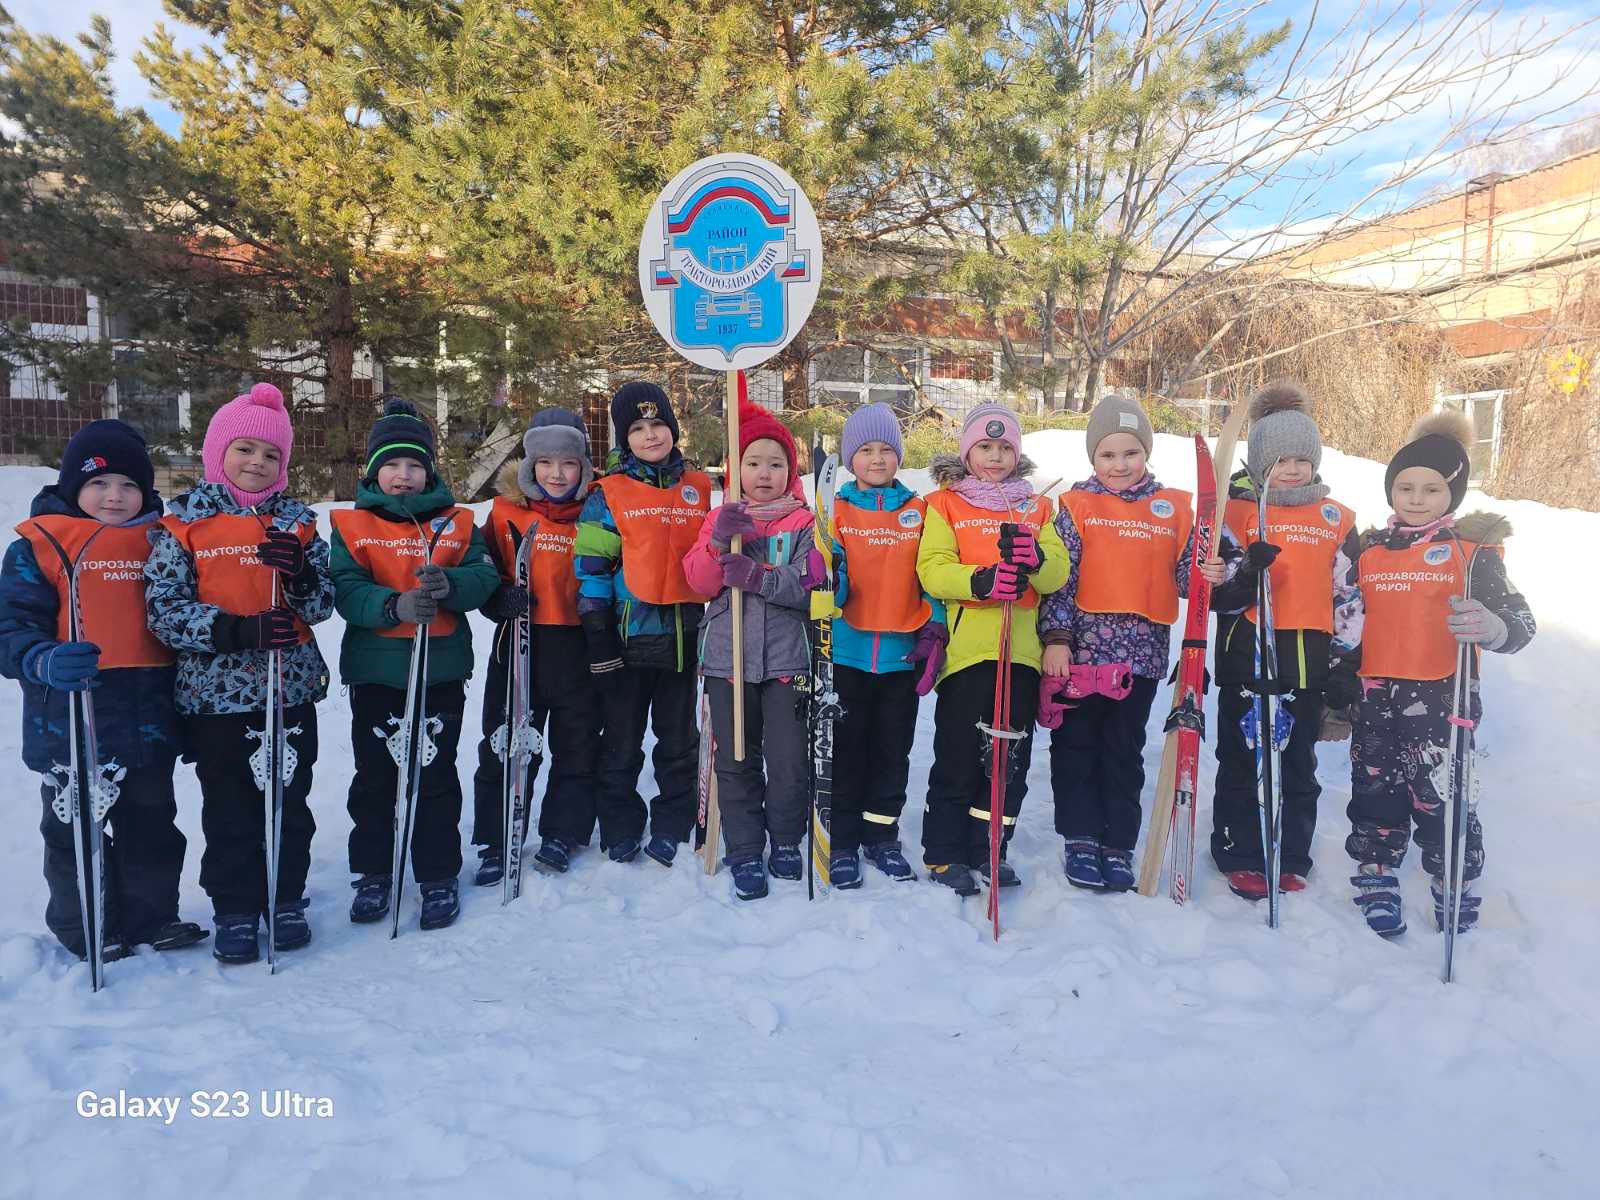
(756,423)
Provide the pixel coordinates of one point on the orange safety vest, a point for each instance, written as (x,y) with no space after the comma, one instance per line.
(1309,537)
(880,549)
(552,581)
(1406,594)
(658,526)
(1129,551)
(391,552)
(977,533)
(226,570)
(110,586)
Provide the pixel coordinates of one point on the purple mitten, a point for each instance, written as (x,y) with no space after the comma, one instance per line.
(742,572)
(732,520)
(816,570)
(928,649)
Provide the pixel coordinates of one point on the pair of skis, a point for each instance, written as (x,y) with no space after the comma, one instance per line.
(1268,724)
(517,740)
(825,706)
(1459,793)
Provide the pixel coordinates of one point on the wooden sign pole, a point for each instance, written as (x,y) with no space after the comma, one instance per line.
(730,495)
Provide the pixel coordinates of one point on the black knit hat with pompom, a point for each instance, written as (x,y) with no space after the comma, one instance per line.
(399,433)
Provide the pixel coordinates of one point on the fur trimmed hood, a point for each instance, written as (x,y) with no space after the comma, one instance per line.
(948,469)
(1485,528)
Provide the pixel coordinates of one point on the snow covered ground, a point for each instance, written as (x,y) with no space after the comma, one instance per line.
(630,1031)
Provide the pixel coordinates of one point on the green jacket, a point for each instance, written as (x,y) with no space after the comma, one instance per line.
(364,656)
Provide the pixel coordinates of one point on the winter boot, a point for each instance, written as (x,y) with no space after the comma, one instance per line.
(786,862)
(624,851)
(890,859)
(1083,864)
(491,868)
(662,849)
(1008,875)
(955,876)
(554,856)
(176,934)
(1378,898)
(237,941)
(372,899)
(1116,868)
(844,870)
(293,929)
(749,880)
(441,903)
(1248,885)
(1288,881)
(1469,905)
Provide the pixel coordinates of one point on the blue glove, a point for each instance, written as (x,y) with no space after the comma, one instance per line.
(67,666)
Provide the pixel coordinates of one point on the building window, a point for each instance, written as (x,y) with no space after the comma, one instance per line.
(43,304)
(1484,409)
(152,410)
(950,364)
(854,376)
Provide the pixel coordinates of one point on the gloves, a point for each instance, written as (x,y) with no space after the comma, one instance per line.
(1003,581)
(1258,556)
(66,666)
(283,552)
(270,630)
(1336,724)
(1470,621)
(1342,690)
(432,580)
(415,607)
(744,573)
(731,521)
(507,603)
(1020,547)
(928,650)
(605,651)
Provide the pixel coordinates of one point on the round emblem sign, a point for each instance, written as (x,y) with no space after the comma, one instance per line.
(1161,508)
(1434,555)
(730,261)
(1330,513)
(994,429)
(690,494)
(910,518)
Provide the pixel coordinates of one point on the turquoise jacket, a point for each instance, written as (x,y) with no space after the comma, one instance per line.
(864,649)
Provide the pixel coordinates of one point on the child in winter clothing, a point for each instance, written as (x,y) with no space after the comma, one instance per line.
(1307,549)
(237,569)
(988,542)
(98,515)
(1129,540)
(888,647)
(405,554)
(776,569)
(639,618)
(1411,575)
(546,489)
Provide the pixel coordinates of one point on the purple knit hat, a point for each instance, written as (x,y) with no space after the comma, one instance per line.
(869,423)
(259,413)
(991,422)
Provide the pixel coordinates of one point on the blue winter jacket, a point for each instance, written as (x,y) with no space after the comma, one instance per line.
(862,649)
(135,722)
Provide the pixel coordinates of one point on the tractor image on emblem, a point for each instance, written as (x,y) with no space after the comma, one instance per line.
(710,306)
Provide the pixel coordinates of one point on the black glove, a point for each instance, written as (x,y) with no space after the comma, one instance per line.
(432,579)
(1019,546)
(283,552)
(415,607)
(1258,556)
(1342,690)
(605,651)
(270,630)
(508,602)
(1003,581)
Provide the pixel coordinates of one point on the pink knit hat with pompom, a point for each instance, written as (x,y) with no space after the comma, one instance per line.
(259,413)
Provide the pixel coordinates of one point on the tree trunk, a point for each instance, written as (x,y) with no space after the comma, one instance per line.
(795,362)
(347,421)
(1091,384)
(1047,353)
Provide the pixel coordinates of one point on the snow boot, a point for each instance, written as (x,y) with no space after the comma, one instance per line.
(237,941)
(441,903)
(294,930)
(955,876)
(786,862)
(1116,868)
(491,868)
(844,870)
(1469,905)
(176,934)
(1008,875)
(1378,898)
(890,859)
(1248,885)
(624,851)
(554,856)
(749,879)
(372,899)
(1083,864)
(1288,881)
(662,849)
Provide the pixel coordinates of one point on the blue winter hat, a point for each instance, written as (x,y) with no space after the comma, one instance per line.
(554,433)
(107,447)
(639,399)
(870,423)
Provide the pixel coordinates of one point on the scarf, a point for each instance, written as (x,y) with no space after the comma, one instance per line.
(1005,496)
(1413,533)
(774,510)
(1308,493)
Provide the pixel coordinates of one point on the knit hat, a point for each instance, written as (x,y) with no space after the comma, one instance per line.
(639,399)
(554,433)
(399,433)
(1281,427)
(1438,441)
(755,423)
(260,414)
(106,448)
(1118,412)
(990,422)
(870,423)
